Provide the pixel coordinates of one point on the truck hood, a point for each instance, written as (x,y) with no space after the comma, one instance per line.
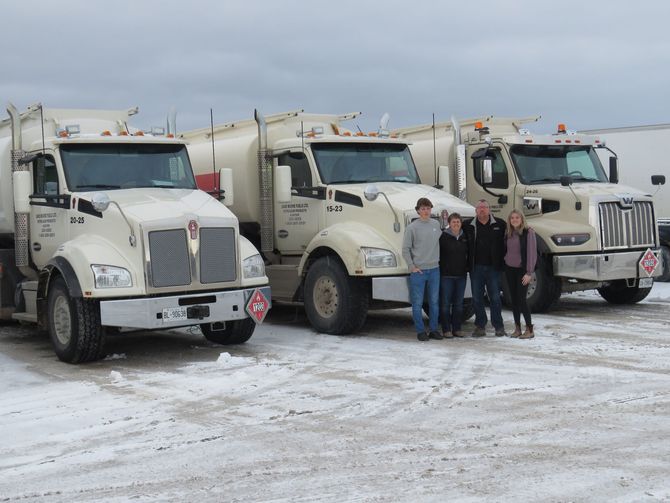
(145,205)
(592,191)
(403,197)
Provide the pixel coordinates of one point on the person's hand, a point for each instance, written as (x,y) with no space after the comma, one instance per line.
(416,269)
(525,279)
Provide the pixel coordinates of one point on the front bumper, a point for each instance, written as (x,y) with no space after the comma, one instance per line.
(147,313)
(396,288)
(605,266)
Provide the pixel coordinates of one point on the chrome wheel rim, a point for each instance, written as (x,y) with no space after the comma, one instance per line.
(62,320)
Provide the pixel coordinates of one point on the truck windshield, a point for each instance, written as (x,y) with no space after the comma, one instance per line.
(126,165)
(536,164)
(364,162)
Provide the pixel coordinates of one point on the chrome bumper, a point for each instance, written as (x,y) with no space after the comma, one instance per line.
(604,267)
(396,288)
(148,312)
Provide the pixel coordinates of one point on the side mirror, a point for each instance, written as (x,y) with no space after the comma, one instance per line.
(566,180)
(614,170)
(226,184)
(100,201)
(23,187)
(658,179)
(371,192)
(443,178)
(487,172)
(283,184)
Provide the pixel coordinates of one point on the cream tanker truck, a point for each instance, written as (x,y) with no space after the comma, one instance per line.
(593,233)
(102,228)
(326,206)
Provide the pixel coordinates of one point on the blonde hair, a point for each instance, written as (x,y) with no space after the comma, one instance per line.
(511,229)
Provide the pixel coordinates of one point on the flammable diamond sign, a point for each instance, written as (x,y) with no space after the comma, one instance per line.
(258,306)
(648,262)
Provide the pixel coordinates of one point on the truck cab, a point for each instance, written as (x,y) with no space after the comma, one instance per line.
(592,232)
(110,233)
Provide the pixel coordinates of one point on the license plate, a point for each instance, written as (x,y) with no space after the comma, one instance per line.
(174,314)
(646,282)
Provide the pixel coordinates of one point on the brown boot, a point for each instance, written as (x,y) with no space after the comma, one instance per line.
(528,334)
(517,331)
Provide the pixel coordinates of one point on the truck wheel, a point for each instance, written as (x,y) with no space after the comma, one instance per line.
(665,260)
(229,332)
(334,302)
(544,289)
(618,293)
(74,326)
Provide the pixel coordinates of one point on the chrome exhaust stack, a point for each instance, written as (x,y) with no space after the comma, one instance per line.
(265,180)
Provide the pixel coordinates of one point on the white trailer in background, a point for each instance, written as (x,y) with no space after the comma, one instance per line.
(641,153)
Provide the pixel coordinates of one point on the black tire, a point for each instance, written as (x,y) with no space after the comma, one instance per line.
(229,332)
(665,261)
(617,292)
(74,326)
(334,302)
(544,289)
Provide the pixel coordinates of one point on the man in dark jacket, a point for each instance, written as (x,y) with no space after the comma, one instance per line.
(487,238)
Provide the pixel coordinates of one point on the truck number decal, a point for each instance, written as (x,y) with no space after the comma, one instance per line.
(76,220)
(333,207)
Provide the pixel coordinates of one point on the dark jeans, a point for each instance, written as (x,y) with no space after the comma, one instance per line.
(486,276)
(518,293)
(451,302)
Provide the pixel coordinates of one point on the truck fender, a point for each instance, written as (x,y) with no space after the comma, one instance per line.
(61,266)
(345,239)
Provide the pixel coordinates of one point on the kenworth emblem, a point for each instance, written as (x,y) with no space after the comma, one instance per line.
(193,229)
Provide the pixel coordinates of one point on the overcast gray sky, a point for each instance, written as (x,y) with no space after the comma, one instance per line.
(589,64)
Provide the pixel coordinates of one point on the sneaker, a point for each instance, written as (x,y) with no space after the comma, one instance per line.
(458,333)
(422,336)
(434,334)
(447,335)
(500,332)
(479,332)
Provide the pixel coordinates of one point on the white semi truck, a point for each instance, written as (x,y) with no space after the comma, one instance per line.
(592,232)
(102,228)
(641,152)
(327,207)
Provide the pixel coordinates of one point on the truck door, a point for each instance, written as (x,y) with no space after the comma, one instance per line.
(297,222)
(49,211)
(502,185)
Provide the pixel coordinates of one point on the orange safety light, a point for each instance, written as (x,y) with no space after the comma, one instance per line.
(139,133)
(528,140)
(568,141)
(123,133)
(106,133)
(311,134)
(360,133)
(373,134)
(346,133)
(578,141)
(478,125)
(169,135)
(561,128)
(394,135)
(557,141)
(63,134)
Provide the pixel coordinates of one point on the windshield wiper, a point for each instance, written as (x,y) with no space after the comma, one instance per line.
(585,179)
(97,186)
(544,180)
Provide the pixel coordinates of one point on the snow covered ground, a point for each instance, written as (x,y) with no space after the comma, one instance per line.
(580,413)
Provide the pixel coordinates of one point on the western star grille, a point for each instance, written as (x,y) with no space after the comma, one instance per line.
(170,260)
(627,227)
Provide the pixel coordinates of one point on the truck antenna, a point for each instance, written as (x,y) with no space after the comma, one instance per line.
(42,123)
(434,151)
(211,125)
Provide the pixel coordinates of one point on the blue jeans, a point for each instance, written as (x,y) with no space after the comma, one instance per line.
(418,281)
(486,276)
(451,305)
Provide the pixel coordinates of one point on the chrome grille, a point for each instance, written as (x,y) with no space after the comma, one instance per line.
(217,254)
(170,262)
(627,227)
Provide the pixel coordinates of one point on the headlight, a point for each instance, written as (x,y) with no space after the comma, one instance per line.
(570,239)
(107,276)
(376,257)
(253,267)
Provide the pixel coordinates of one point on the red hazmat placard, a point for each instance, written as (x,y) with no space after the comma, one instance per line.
(258,306)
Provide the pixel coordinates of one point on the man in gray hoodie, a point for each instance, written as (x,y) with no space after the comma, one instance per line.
(421,251)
